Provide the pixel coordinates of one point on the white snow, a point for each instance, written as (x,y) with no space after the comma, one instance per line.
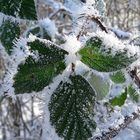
(72,45)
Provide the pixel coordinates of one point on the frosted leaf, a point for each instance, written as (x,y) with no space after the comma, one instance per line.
(97,57)
(35,74)
(71,109)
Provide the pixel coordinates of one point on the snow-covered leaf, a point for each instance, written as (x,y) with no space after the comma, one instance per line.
(119,100)
(133,93)
(24,9)
(101,60)
(72,109)
(9,30)
(100,85)
(39,69)
(118,77)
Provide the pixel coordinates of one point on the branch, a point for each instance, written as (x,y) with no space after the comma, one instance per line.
(114,132)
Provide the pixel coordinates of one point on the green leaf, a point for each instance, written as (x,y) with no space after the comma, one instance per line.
(133,93)
(100,85)
(24,9)
(35,74)
(95,57)
(72,109)
(9,31)
(27,10)
(118,77)
(119,100)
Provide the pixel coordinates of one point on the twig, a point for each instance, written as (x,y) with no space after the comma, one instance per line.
(93,18)
(82,28)
(98,21)
(73,67)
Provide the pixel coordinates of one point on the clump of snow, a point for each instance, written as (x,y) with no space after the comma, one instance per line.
(72,45)
(32,38)
(49,26)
